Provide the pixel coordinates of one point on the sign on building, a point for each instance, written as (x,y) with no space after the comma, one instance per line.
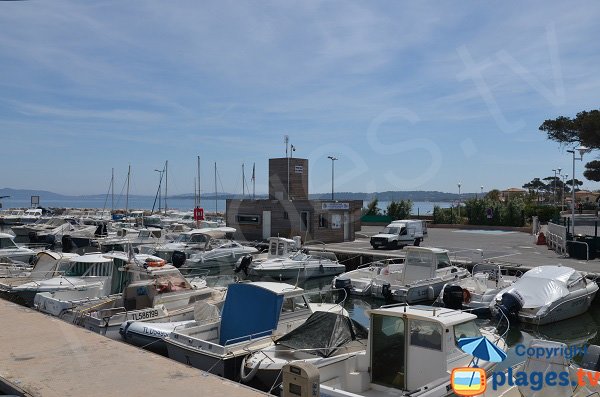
(335,206)
(336,221)
(35,201)
(299,169)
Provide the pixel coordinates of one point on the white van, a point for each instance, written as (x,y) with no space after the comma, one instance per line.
(400,233)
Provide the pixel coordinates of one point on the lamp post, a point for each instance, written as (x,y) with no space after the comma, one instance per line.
(333,159)
(459,184)
(554,190)
(565,177)
(582,150)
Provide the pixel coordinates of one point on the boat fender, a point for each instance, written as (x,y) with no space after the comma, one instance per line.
(152,263)
(250,375)
(430,293)
(466,296)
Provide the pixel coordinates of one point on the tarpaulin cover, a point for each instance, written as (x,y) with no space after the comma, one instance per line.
(544,284)
(249,311)
(324,332)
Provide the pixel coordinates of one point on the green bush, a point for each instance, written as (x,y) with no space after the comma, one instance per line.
(399,209)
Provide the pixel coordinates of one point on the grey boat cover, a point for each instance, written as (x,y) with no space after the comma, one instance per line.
(323,333)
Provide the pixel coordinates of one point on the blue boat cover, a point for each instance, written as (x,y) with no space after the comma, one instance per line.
(249,311)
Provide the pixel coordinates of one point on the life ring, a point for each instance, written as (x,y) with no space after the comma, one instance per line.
(466,295)
(153,263)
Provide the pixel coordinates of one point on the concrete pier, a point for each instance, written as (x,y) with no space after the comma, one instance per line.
(45,356)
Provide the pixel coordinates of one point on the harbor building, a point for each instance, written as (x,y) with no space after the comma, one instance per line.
(289,212)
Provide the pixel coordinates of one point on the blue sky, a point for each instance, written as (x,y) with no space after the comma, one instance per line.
(408,95)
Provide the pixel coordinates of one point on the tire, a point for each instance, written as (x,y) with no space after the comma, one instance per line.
(417,242)
(374,247)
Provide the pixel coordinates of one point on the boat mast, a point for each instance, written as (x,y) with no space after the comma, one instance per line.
(112,191)
(254,181)
(127,196)
(215,188)
(199,202)
(166,182)
(243,182)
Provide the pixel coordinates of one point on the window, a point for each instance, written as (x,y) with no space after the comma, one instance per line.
(248,219)
(466,330)
(425,334)
(443,260)
(286,215)
(323,222)
(387,347)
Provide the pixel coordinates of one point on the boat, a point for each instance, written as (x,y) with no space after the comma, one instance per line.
(411,351)
(323,340)
(476,291)
(154,292)
(45,265)
(189,242)
(31,215)
(303,265)
(534,368)
(421,278)
(360,281)
(252,313)
(546,294)
(12,217)
(218,255)
(88,275)
(148,235)
(10,249)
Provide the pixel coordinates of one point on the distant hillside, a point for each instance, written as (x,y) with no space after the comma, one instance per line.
(432,196)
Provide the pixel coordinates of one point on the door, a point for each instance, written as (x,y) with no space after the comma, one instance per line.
(304,217)
(266,224)
(388,346)
(346,226)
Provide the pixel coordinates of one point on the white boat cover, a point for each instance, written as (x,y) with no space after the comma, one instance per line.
(543,285)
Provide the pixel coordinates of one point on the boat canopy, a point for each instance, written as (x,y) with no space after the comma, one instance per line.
(250,311)
(543,285)
(323,333)
(563,274)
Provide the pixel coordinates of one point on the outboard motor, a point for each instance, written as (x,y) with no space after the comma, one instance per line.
(386,291)
(453,297)
(178,258)
(32,237)
(67,243)
(101,230)
(591,358)
(510,304)
(344,283)
(244,264)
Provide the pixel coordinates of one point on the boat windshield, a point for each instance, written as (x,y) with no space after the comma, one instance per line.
(391,230)
(466,330)
(183,238)
(7,242)
(299,256)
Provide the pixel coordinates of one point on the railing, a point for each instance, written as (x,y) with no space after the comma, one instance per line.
(557,238)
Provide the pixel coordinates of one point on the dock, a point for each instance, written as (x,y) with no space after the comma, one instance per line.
(45,356)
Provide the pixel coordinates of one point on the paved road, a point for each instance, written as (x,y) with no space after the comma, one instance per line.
(499,246)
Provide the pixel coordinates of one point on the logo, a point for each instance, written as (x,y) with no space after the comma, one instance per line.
(468,381)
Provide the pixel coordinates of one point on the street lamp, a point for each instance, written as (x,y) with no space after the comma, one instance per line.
(333,159)
(582,150)
(565,177)
(554,190)
(459,184)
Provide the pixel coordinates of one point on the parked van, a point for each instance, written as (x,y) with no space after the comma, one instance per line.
(400,233)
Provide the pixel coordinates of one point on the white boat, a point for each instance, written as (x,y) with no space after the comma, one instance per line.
(189,242)
(31,215)
(12,217)
(534,368)
(218,255)
(148,235)
(302,265)
(477,291)
(88,275)
(411,351)
(323,340)
(252,313)
(422,277)
(155,292)
(546,294)
(360,281)
(9,249)
(46,264)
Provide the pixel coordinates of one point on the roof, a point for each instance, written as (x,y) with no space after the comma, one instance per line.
(58,255)
(559,273)
(91,258)
(3,235)
(426,249)
(437,314)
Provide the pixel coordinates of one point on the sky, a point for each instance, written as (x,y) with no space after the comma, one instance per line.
(407,95)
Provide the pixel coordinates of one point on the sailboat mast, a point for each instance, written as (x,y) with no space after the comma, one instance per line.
(127,197)
(199,191)
(112,191)
(243,182)
(215,188)
(254,181)
(166,183)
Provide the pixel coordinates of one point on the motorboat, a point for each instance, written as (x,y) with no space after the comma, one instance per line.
(558,364)
(42,225)
(411,351)
(252,313)
(89,275)
(46,264)
(421,278)
(277,247)
(303,265)
(154,292)
(10,249)
(193,241)
(218,255)
(546,294)
(148,235)
(323,340)
(12,217)
(478,290)
(32,215)
(359,281)
(11,268)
